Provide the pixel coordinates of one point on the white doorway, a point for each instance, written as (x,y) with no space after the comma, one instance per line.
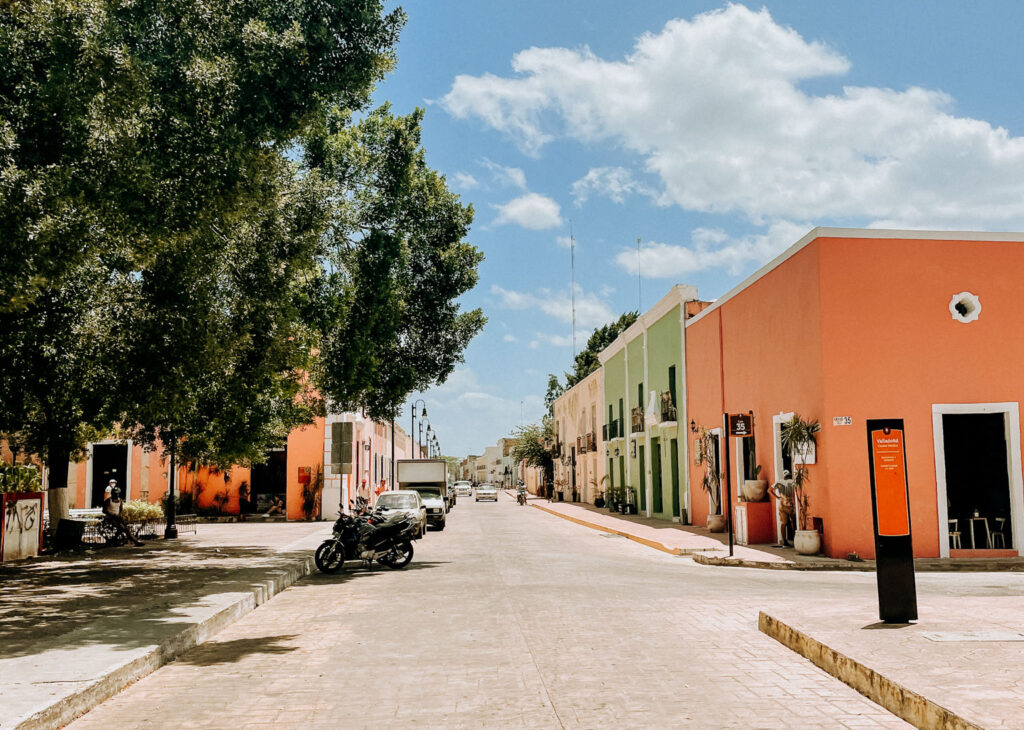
(782,464)
(949,493)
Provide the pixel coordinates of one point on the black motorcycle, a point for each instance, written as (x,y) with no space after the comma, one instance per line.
(388,540)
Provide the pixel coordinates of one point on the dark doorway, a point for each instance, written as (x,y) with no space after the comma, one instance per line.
(109,461)
(977,477)
(270,479)
(674,455)
(643,477)
(657,504)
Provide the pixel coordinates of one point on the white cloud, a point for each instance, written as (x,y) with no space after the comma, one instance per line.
(614,183)
(564,241)
(710,248)
(510,338)
(591,310)
(714,107)
(502,175)
(465,181)
(559,340)
(532,211)
(469,415)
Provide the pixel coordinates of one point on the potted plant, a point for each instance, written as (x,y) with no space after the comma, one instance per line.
(599,490)
(754,490)
(798,435)
(711,481)
(630,504)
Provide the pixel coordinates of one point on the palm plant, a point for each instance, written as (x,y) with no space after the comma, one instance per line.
(798,435)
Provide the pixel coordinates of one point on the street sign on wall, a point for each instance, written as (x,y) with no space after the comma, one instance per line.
(741,424)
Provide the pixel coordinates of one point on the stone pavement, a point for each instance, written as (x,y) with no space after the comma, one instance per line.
(74,629)
(509,618)
(960,665)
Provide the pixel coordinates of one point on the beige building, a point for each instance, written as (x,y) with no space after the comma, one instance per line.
(579,466)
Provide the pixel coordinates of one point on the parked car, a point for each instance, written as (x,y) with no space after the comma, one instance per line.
(437,507)
(406,501)
(464,489)
(486,491)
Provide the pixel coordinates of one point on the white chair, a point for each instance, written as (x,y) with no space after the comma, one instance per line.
(997,534)
(954,535)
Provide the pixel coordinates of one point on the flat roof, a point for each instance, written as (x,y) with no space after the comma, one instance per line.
(880,233)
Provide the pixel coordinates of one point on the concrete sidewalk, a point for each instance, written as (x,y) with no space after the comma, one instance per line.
(959,666)
(76,629)
(668,539)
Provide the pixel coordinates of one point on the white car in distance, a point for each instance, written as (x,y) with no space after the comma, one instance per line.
(486,491)
(463,489)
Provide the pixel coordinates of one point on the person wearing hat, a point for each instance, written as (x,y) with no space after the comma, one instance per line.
(106,492)
(112,506)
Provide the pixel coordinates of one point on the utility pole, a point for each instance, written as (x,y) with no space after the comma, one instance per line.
(572,285)
(639,292)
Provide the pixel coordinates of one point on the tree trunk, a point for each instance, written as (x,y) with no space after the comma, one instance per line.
(57,493)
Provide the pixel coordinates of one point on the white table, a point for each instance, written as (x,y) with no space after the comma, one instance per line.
(988,535)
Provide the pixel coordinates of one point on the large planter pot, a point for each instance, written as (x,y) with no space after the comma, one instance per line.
(716,523)
(630,509)
(599,502)
(754,490)
(807,542)
(622,508)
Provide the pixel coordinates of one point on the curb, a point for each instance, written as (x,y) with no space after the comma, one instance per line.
(634,538)
(897,699)
(67,708)
(788,565)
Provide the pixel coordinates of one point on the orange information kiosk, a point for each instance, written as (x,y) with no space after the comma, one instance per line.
(890,501)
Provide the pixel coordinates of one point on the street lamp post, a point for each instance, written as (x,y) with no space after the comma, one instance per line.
(412,433)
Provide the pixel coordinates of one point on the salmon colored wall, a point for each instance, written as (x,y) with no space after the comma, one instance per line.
(772,354)
(892,297)
(305,448)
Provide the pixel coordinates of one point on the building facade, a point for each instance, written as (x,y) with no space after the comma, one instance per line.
(579,447)
(644,403)
(851,325)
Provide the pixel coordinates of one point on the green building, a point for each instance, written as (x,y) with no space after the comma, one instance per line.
(646,444)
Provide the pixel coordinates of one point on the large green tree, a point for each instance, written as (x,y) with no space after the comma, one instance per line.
(395,262)
(530,446)
(144,280)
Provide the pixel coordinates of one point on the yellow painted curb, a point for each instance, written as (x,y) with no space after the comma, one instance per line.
(897,699)
(602,528)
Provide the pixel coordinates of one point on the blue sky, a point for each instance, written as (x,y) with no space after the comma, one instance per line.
(716,133)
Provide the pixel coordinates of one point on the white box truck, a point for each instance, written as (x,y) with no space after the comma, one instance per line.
(429,477)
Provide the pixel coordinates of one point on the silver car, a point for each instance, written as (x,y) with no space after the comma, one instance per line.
(486,491)
(464,489)
(405,501)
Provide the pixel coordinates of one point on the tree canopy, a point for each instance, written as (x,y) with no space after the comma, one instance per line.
(586,361)
(204,234)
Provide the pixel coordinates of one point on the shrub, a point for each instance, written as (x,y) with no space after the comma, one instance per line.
(139,510)
(19,478)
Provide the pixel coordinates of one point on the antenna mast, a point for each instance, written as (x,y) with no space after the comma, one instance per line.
(572,286)
(639,291)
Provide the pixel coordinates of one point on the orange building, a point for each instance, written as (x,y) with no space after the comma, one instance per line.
(288,472)
(849,325)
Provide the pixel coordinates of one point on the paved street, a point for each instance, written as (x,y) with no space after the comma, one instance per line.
(509,618)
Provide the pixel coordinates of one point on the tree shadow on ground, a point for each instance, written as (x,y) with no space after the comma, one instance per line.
(125,597)
(227,652)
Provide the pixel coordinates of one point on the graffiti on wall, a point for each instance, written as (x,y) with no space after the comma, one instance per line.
(21,528)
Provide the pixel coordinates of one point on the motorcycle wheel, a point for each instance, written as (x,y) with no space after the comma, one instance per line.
(329,556)
(399,556)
